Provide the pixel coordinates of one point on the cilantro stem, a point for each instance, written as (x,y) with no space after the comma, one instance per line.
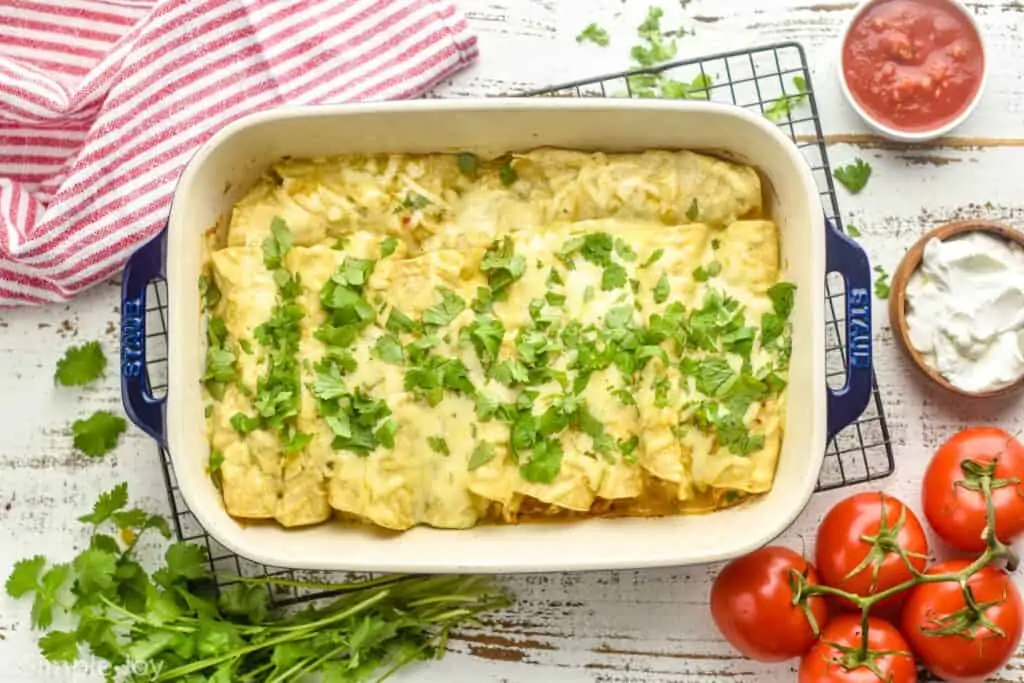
(337,588)
(298,632)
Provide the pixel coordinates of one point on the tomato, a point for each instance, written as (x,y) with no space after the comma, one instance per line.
(847,561)
(979,650)
(752,605)
(889,654)
(957,513)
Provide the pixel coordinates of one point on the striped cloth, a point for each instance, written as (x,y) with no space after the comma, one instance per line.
(102,102)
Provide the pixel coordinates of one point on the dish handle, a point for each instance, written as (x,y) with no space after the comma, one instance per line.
(848,259)
(145,266)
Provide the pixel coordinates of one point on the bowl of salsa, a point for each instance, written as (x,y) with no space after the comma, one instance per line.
(913,69)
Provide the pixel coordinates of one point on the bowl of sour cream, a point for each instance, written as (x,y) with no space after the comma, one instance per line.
(957,304)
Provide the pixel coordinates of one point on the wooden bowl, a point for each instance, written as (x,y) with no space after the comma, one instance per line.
(898,297)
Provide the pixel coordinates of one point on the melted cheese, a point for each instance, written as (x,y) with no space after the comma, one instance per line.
(668,215)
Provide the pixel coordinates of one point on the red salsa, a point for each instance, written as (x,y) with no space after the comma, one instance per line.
(913,65)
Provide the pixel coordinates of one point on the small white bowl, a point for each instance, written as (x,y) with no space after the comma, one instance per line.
(918,135)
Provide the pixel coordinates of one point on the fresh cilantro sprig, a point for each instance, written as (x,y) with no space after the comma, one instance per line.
(503,267)
(882,285)
(171,625)
(81,365)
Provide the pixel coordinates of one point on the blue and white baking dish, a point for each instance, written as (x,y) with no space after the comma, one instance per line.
(238,154)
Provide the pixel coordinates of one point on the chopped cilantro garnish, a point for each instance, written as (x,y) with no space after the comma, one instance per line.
(705,273)
(483,453)
(277,244)
(774,324)
(662,289)
(554,278)
(399,322)
(84,364)
(614,276)
(209,291)
(431,377)
(693,213)
(503,267)
(653,258)
(785,104)
(882,286)
(595,34)
(507,174)
(388,246)
(328,385)
(852,230)
(446,311)
(438,445)
(624,251)
(714,376)
(510,372)
(545,464)
(359,422)
(554,298)
(853,176)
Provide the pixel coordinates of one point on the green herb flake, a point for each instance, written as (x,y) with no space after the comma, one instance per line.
(99,434)
(469,164)
(388,246)
(277,245)
(438,445)
(653,258)
(483,453)
(614,277)
(852,230)
(389,349)
(502,266)
(693,213)
(594,34)
(784,106)
(882,286)
(708,271)
(446,311)
(854,177)
(662,289)
(507,174)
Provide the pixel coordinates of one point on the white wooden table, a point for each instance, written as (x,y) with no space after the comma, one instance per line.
(607,626)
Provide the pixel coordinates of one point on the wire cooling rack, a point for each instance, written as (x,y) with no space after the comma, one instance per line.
(754,79)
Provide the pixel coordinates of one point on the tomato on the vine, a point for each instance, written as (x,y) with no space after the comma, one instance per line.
(958,642)
(860,541)
(836,657)
(752,605)
(953,502)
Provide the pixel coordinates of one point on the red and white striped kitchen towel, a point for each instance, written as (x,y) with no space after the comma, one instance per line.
(102,102)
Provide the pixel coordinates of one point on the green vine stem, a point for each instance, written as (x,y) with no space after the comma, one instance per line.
(979,477)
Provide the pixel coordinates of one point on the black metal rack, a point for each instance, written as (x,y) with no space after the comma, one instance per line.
(754,79)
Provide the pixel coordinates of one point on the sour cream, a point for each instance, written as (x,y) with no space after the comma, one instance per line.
(965,310)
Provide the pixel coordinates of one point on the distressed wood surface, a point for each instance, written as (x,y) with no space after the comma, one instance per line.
(605,626)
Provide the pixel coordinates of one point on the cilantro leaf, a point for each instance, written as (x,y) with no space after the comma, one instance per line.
(469,164)
(445,312)
(399,322)
(277,245)
(662,289)
(714,376)
(249,602)
(510,372)
(507,174)
(185,561)
(59,646)
(413,202)
(95,570)
(503,267)
(209,292)
(784,105)
(483,453)
(595,34)
(389,349)
(882,286)
(545,464)
(614,276)
(328,384)
(853,176)
(485,334)
(81,365)
(653,258)
(106,505)
(438,445)
(693,213)
(99,434)
(388,246)
(24,578)
(624,251)
(852,230)
(782,295)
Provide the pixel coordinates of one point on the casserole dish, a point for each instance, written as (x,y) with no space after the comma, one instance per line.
(232,160)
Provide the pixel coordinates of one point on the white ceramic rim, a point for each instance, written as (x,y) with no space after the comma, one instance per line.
(922,135)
